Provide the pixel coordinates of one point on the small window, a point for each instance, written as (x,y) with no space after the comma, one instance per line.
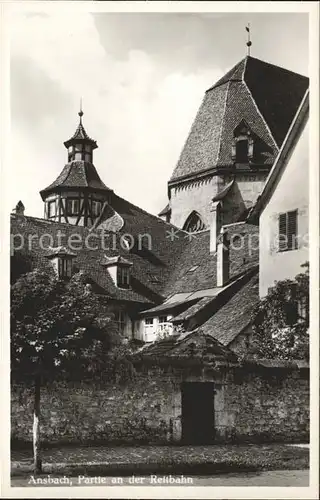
(79,147)
(51,208)
(64,268)
(88,148)
(153,278)
(242,151)
(96,208)
(87,157)
(287,237)
(192,269)
(163,319)
(72,206)
(123,277)
(148,321)
(120,321)
(303,308)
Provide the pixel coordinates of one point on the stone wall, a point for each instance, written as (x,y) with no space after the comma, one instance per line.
(84,412)
(266,404)
(271,405)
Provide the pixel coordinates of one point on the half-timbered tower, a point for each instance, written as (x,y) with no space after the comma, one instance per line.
(78,194)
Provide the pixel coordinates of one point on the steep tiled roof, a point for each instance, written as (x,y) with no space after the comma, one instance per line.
(77,174)
(81,135)
(165,211)
(226,324)
(192,310)
(108,220)
(277,92)
(152,263)
(196,252)
(265,96)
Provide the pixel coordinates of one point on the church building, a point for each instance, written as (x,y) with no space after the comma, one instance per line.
(192,266)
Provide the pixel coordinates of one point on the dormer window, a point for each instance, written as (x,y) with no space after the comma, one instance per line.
(61,258)
(123,277)
(64,268)
(119,270)
(242,144)
(242,150)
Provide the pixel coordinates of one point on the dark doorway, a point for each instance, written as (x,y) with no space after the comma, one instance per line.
(197,400)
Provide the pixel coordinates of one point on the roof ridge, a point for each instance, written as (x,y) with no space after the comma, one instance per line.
(229,74)
(85,166)
(222,121)
(69,164)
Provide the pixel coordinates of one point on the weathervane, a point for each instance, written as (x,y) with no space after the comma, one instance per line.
(249,43)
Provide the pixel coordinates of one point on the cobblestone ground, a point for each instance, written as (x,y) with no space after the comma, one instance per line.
(285,478)
(268,457)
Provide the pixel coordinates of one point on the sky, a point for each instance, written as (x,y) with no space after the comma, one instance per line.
(141,77)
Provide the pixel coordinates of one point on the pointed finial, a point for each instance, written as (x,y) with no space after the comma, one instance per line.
(80,112)
(249,43)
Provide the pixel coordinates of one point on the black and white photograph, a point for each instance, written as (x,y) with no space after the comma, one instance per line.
(161,250)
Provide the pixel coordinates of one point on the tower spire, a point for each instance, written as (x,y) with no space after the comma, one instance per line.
(80,112)
(249,43)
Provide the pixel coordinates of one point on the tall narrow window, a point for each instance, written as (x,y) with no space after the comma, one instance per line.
(242,149)
(72,206)
(120,321)
(288,231)
(123,277)
(64,268)
(96,208)
(51,209)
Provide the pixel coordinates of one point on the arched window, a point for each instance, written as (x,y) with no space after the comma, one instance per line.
(194,223)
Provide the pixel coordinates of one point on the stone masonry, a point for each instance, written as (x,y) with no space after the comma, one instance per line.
(265,404)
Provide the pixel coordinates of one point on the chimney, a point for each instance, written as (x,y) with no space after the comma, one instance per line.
(223,262)
(19,208)
(215,225)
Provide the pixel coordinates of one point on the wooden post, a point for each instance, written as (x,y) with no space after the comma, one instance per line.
(36,427)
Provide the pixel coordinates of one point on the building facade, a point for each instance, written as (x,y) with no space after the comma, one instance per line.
(283,207)
(179,270)
(184,284)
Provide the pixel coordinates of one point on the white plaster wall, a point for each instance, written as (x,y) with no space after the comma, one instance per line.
(193,196)
(291,193)
(198,195)
(150,333)
(251,187)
